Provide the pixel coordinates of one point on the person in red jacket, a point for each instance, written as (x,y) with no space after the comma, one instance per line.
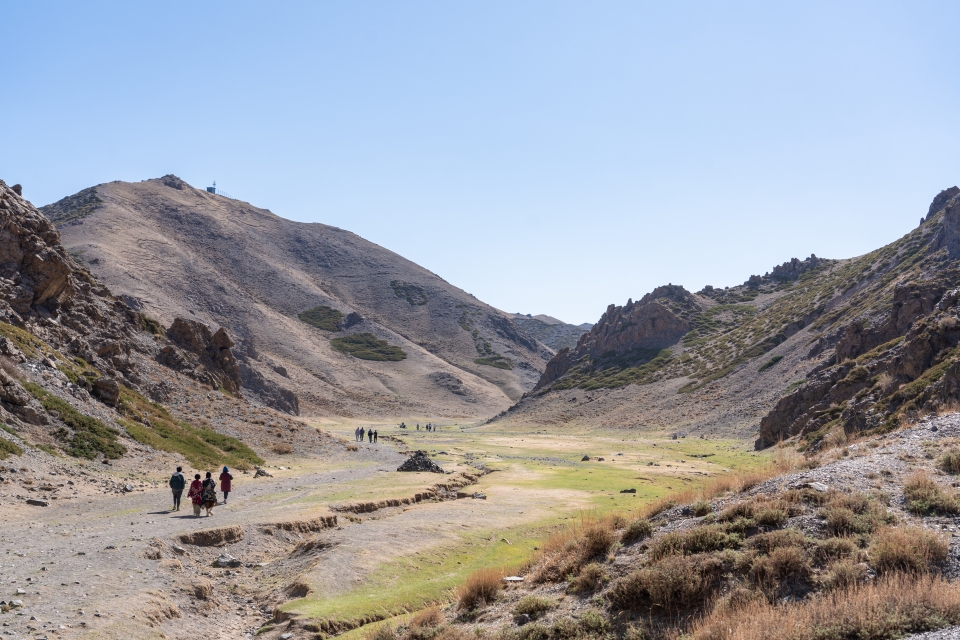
(225,479)
(196,494)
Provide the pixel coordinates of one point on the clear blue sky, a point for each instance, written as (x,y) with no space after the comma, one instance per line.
(547,157)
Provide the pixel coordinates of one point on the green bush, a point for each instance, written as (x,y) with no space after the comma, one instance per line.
(89,436)
(769,363)
(367,346)
(590,579)
(322,317)
(925,497)
(950,461)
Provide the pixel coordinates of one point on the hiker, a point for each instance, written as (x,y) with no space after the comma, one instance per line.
(418,426)
(209,494)
(225,479)
(361,434)
(356,434)
(374,437)
(177,483)
(196,494)
(370,435)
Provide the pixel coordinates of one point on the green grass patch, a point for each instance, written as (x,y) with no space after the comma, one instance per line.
(31,346)
(413,582)
(498,361)
(326,318)
(204,448)
(89,436)
(8,448)
(367,346)
(769,363)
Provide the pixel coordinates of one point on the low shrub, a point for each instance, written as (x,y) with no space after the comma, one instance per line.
(950,461)
(428,618)
(533,606)
(382,632)
(782,565)
(906,549)
(481,588)
(765,543)
(701,508)
(590,579)
(925,497)
(673,585)
(773,516)
(712,537)
(636,530)
(834,549)
(594,623)
(843,574)
(565,553)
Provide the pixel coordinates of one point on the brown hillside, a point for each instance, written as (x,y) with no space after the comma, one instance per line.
(171,250)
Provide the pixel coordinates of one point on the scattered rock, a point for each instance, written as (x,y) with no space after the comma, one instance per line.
(262,474)
(628,491)
(107,390)
(202,589)
(585,459)
(420,461)
(226,560)
(128,488)
(38,503)
(819,487)
(522,619)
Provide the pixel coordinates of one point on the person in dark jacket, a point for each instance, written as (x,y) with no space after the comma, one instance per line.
(177,483)
(225,479)
(209,494)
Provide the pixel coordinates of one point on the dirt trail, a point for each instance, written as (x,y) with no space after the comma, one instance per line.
(82,562)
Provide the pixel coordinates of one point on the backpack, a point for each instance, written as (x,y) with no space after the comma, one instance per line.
(177,482)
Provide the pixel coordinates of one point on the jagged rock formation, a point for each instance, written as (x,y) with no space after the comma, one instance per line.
(203,355)
(267,391)
(175,251)
(420,461)
(899,363)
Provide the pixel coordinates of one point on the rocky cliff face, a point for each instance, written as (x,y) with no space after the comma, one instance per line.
(898,365)
(628,334)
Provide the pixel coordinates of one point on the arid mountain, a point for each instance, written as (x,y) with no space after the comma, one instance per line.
(348,327)
(816,348)
(551,332)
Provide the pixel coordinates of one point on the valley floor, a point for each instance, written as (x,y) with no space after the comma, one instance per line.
(102,562)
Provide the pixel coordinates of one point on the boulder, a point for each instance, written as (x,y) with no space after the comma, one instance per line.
(107,390)
(205,356)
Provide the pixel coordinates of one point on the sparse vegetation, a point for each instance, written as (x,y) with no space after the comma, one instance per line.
(925,497)
(367,346)
(481,587)
(87,436)
(769,363)
(8,448)
(498,362)
(412,293)
(321,317)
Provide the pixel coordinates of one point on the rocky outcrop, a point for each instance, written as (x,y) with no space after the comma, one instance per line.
(267,391)
(420,461)
(202,355)
(448,381)
(634,328)
(948,235)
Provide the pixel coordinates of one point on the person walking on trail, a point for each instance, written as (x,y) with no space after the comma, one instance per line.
(362,432)
(196,494)
(374,437)
(370,435)
(225,479)
(209,494)
(177,483)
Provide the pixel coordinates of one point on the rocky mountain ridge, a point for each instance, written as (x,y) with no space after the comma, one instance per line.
(812,347)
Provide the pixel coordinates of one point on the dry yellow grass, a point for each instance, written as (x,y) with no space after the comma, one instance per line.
(481,587)
(885,609)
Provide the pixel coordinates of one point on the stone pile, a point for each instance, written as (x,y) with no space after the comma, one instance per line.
(420,461)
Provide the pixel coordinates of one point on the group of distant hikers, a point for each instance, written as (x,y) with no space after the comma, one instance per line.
(202,493)
(429,427)
(360,432)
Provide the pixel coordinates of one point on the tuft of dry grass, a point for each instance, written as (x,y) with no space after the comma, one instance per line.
(907,549)
(636,531)
(481,588)
(950,461)
(282,448)
(925,497)
(428,618)
(783,565)
(533,606)
(590,579)
(887,608)
(568,550)
(673,585)
(843,574)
